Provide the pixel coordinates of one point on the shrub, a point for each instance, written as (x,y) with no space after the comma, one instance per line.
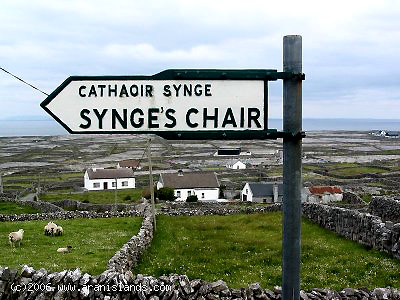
(166,193)
(192,198)
(127,198)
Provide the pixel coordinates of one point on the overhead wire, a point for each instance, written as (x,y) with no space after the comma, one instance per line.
(20,79)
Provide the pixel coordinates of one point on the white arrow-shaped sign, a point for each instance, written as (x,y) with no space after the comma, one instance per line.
(178,101)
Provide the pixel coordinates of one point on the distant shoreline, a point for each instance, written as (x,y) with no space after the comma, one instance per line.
(48,127)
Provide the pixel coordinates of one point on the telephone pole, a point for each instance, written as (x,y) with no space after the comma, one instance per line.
(151,183)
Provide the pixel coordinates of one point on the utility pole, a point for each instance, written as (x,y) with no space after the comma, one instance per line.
(292,179)
(151,183)
(1,185)
(115,193)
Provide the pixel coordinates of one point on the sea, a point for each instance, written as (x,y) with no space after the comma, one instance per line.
(51,127)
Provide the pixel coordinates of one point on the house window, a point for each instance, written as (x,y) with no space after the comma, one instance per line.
(247,191)
(189,193)
(202,195)
(178,194)
(96,184)
(113,184)
(124,183)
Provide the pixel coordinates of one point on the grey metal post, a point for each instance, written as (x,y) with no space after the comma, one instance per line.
(292,179)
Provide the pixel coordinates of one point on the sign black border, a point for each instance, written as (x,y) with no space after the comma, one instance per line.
(189,74)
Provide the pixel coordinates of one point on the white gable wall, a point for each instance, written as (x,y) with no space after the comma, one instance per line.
(246,193)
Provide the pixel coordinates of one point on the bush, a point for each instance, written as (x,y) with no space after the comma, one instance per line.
(166,193)
(127,198)
(192,198)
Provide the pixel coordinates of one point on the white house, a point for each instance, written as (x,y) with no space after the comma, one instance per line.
(263,192)
(322,194)
(97,179)
(236,165)
(203,184)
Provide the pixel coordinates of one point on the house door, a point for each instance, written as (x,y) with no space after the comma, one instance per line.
(244,197)
(105,186)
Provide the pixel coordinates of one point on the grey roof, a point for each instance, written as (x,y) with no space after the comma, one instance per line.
(190,180)
(110,173)
(265,189)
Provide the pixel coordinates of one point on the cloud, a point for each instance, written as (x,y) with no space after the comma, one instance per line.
(350,48)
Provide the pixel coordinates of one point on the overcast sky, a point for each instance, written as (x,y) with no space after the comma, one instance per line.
(351,49)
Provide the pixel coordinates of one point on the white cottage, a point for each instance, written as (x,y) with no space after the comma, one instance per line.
(322,194)
(97,179)
(236,165)
(263,192)
(203,184)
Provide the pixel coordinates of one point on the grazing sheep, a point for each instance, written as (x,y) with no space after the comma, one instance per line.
(59,231)
(64,250)
(50,228)
(15,237)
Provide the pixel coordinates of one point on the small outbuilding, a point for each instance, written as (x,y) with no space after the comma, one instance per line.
(134,164)
(204,185)
(236,165)
(97,179)
(262,192)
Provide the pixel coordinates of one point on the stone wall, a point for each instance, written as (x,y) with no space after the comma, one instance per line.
(32,284)
(77,205)
(42,206)
(201,208)
(69,215)
(387,208)
(357,226)
(126,258)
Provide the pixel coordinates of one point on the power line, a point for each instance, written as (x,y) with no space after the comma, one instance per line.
(23,81)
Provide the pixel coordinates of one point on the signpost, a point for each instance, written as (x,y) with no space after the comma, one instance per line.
(199,105)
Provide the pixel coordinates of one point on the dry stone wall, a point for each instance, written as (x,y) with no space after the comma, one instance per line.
(357,226)
(31,284)
(77,205)
(387,208)
(65,215)
(42,206)
(126,258)
(201,209)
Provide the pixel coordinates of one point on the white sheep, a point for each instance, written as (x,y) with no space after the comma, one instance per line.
(59,231)
(15,237)
(64,250)
(50,228)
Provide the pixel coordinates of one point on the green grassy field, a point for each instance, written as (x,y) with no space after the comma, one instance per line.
(93,241)
(244,249)
(358,171)
(97,197)
(9,208)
